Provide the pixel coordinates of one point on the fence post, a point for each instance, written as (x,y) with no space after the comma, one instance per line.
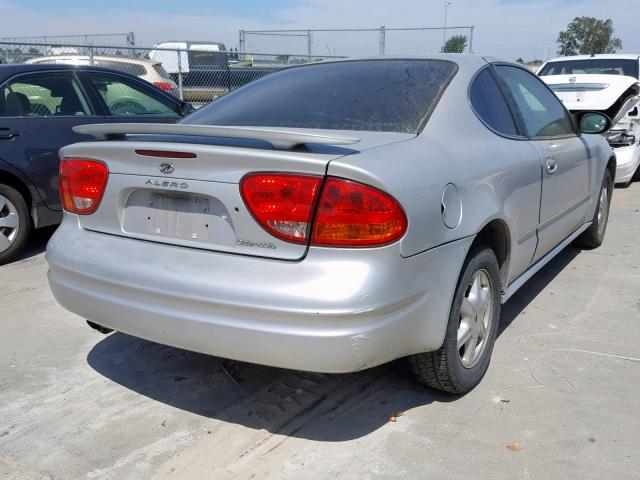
(91,61)
(382,39)
(179,52)
(471,40)
(309,43)
(241,40)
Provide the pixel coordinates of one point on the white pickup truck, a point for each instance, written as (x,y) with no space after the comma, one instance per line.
(609,84)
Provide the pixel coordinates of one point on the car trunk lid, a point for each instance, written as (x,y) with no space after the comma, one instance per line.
(604,93)
(183,190)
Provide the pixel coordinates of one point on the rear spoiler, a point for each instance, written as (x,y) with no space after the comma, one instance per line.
(280,139)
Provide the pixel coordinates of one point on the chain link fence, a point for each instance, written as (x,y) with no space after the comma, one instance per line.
(361,41)
(115,39)
(194,75)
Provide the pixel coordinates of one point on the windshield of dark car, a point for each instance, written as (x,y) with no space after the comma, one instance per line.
(373,95)
(592,66)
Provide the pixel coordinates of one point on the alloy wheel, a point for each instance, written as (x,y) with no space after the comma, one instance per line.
(9,223)
(603,209)
(476,316)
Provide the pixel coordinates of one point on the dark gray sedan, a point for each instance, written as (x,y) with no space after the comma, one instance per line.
(39,106)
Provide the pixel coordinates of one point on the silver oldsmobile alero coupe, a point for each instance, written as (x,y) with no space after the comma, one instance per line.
(334,216)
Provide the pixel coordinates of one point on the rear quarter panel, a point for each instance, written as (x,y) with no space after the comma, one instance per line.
(498,178)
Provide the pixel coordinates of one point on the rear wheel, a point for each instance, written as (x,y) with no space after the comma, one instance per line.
(15,223)
(461,362)
(594,235)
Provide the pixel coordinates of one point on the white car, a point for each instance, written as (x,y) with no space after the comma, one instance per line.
(191,53)
(149,70)
(608,84)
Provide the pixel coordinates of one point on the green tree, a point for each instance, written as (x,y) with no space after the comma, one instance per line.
(587,35)
(455,44)
(520,60)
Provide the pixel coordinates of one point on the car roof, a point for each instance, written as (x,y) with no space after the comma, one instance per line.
(96,57)
(10,69)
(188,43)
(463,60)
(617,56)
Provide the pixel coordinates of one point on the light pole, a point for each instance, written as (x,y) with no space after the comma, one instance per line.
(447,4)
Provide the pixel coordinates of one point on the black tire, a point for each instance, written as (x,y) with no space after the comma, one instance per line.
(636,176)
(594,235)
(18,239)
(444,369)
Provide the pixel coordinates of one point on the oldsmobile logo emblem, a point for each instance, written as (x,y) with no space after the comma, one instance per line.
(167,168)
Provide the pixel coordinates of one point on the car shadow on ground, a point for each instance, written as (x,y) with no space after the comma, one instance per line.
(306,405)
(37,243)
(530,290)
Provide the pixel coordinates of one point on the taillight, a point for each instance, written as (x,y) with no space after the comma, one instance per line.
(348,214)
(165,154)
(166,86)
(82,183)
(282,203)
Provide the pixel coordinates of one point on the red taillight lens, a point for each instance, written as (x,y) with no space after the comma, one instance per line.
(82,183)
(282,203)
(348,214)
(351,214)
(166,86)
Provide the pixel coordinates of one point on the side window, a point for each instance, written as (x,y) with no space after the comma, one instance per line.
(489,104)
(126,98)
(543,115)
(43,95)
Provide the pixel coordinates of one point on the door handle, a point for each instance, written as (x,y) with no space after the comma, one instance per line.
(7,134)
(551,165)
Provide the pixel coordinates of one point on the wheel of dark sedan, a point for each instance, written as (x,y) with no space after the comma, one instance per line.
(14,223)
(461,362)
(594,235)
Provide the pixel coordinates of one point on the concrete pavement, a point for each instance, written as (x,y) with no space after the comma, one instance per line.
(561,398)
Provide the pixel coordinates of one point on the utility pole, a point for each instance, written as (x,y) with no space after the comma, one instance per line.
(446,4)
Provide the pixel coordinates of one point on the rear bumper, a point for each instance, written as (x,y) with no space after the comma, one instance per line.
(336,311)
(627,162)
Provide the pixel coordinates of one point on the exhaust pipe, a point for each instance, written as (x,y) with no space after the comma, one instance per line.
(99,328)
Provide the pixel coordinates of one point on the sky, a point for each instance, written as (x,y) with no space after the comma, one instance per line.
(503,28)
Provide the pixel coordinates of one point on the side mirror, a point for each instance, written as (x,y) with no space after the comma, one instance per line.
(186,108)
(593,122)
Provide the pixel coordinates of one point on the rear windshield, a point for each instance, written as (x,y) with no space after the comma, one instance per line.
(596,66)
(161,71)
(373,95)
(207,58)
